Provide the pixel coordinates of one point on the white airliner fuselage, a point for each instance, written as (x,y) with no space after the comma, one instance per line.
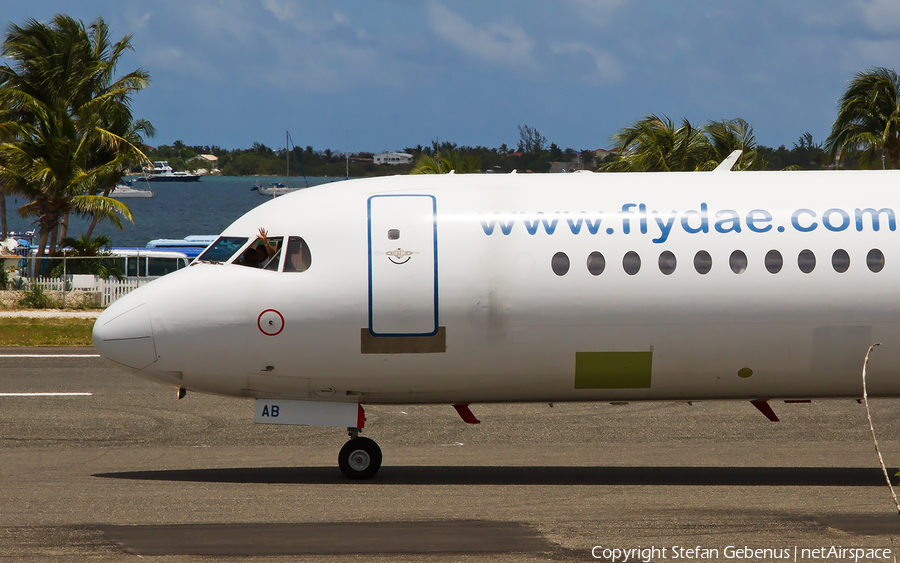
(507,288)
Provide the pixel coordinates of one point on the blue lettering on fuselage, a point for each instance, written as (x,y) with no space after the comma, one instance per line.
(636,218)
(575,226)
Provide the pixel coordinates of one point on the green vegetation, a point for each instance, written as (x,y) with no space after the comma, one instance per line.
(36,298)
(52,331)
(804,155)
(91,247)
(66,129)
(868,120)
(261,160)
(653,144)
(444,163)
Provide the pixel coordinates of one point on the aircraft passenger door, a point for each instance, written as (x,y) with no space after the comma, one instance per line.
(403,292)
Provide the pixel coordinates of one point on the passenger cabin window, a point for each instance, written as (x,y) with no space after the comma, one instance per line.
(738,262)
(702,262)
(667,262)
(596,263)
(840,261)
(560,264)
(806,261)
(393,234)
(297,257)
(631,262)
(774,261)
(875,260)
(223,249)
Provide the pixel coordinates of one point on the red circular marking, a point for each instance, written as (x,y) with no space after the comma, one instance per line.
(259,323)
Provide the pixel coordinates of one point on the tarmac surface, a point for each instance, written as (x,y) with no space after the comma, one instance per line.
(98,465)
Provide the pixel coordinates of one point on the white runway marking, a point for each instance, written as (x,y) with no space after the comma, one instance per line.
(49,355)
(46,394)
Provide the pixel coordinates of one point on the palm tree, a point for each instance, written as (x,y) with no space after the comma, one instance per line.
(47,167)
(58,104)
(446,162)
(727,136)
(868,120)
(654,144)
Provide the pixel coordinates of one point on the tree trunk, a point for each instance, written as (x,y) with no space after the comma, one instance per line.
(4,231)
(42,243)
(51,248)
(64,226)
(893,150)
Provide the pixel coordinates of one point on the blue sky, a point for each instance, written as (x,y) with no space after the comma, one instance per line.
(396,73)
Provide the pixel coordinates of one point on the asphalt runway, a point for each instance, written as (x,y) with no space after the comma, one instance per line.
(98,465)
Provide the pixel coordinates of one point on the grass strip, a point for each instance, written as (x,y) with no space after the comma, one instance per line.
(49,331)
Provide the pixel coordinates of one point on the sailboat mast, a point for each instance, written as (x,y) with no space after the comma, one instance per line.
(287,155)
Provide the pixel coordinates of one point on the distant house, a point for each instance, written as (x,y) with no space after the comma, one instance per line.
(210,160)
(393,158)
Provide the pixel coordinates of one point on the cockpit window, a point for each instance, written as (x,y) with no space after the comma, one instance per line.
(222,249)
(297,257)
(260,254)
(272,263)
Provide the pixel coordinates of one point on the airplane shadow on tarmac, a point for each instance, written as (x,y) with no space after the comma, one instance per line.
(529,475)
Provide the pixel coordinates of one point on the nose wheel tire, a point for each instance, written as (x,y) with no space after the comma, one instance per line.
(360,458)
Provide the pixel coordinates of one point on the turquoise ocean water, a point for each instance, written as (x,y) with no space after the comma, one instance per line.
(177,209)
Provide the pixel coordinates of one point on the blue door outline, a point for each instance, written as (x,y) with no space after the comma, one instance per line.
(433,306)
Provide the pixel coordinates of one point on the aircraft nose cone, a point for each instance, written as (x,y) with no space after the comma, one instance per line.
(122,334)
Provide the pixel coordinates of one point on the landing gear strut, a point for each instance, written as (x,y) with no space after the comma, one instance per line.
(360,458)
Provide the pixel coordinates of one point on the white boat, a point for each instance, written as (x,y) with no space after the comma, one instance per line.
(277,188)
(124,190)
(274,189)
(162,172)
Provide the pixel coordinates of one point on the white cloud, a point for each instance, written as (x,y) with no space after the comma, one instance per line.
(497,43)
(182,64)
(597,12)
(142,22)
(340,19)
(882,16)
(282,10)
(312,18)
(327,68)
(215,21)
(607,67)
(862,55)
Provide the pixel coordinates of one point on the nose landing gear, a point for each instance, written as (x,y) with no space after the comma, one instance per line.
(360,458)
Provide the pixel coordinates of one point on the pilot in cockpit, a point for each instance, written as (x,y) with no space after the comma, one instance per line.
(257,253)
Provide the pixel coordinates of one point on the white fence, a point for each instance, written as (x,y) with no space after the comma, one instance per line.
(137,264)
(112,289)
(109,289)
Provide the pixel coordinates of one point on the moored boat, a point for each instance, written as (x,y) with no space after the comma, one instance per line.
(162,172)
(273,189)
(126,190)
